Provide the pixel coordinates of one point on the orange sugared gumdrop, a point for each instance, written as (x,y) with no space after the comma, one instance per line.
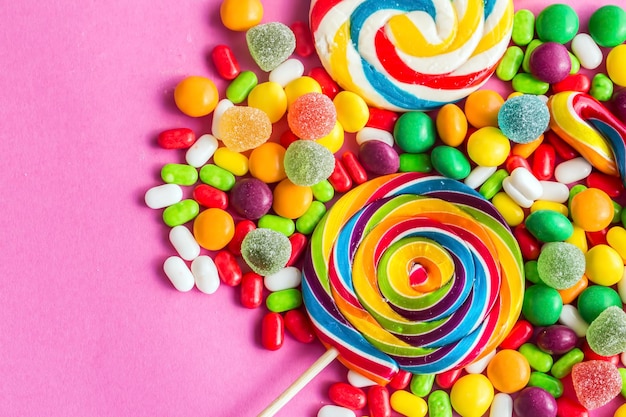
(242,128)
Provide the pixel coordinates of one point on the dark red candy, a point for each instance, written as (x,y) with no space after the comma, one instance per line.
(401,380)
(446,379)
(180,138)
(566,407)
(251,290)
(241,230)
(272,331)
(228,269)
(521,333)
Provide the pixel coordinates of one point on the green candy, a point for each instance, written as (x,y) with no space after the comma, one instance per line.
(528,84)
(450,162)
(601,87)
(265,251)
(307,222)
(323,191)
(607,26)
(547,382)
(277,223)
(595,299)
(415,162)
(241,86)
(181,212)
(542,305)
(575,64)
(560,265)
(549,226)
(623,218)
(510,63)
(622,373)
(307,162)
(537,359)
(564,365)
(557,23)
(618,212)
(414,132)
(493,184)
(439,404)
(523,27)
(180,174)
(270,44)
(531,273)
(529,51)
(606,335)
(284,300)
(422,384)
(217,177)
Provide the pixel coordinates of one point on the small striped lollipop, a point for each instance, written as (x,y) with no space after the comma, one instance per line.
(411,55)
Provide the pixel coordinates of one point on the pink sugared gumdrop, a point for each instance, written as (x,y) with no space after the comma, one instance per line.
(596,383)
(312,116)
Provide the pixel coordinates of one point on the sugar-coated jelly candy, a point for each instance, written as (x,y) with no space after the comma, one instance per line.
(242,128)
(508,371)
(251,198)
(307,163)
(523,118)
(312,116)
(242,228)
(560,265)
(180,138)
(265,251)
(596,383)
(533,402)
(196,96)
(272,331)
(606,335)
(205,274)
(178,273)
(346,395)
(270,44)
(213,228)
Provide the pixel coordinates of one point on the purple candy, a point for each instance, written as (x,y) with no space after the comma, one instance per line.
(534,402)
(251,198)
(378,157)
(550,62)
(619,104)
(557,339)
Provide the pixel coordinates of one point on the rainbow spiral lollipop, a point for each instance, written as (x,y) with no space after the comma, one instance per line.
(414,272)
(411,55)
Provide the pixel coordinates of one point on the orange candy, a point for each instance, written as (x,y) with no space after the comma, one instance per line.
(266,163)
(482,107)
(196,96)
(592,209)
(291,200)
(508,371)
(213,228)
(241,15)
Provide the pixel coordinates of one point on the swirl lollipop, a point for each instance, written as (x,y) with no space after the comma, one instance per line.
(411,55)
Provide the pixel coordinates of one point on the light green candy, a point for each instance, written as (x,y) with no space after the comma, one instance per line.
(217,177)
(606,335)
(510,63)
(523,27)
(307,222)
(323,191)
(277,223)
(181,212)
(239,89)
(266,251)
(528,84)
(180,174)
(601,87)
(284,300)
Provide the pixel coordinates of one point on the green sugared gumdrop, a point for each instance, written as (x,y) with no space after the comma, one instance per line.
(265,251)
(307,162)
(606,335)
(270,44)
(560,265)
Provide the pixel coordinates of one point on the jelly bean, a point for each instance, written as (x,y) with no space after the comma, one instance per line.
(288,277)
(471,395)
(525,150)
(549,226)
(323,191)
(529,84)
(382,119)
(401,380)
(180,138)
(328,86)
(451,125)
(372,133)
(542,305)
(544,161)
(238,90)
(481,108)
(284,300)
(493,184)
(607,26)
(479,365)
(512,213)
(164,195)
(549,205)
(615,62)
(298,243)
(531,272)
(422,384)
(335,411)
(352,111)
(557,23)
(242,228)
(286,72)
(592,209)
(334,140)
(180,174)
(562,148)
(573,82)
(508,371)
(439,404)
(407,404)
(622,372)
(196,96)
(251,294)
(225,62)
(228,269)
(378,401)
(447,379)
(233,162)
(299,87)
(339,179)
(528,53)
(217,177)
(354,167)
(450,162)
(184,242)
(213,228)
(515,161)
(587,51)
(510,64)
(308,221)
(604,265)
(523,27)
(278,223)
(570,294)
(178,273)
(269,97)
(546,382)
(501,406)
(491,139)
(521,332)
(477,176)
(291,200)
(210,197)
(180,213)
(205,274)
(616,238)
(304,39)
(601,87)
(554,191)
(345,395)
(221,108)
(241,15)
(272,331)
(597,238)
(567,407)
(201,151)
(537,359)
(612,186)
(357,380)
(563,366)
(299,325)
(572,319)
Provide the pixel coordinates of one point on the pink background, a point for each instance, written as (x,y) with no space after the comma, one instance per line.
(89,323)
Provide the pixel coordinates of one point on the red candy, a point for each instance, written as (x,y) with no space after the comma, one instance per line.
(590,355)
(227,268)
(345,395)
(181,138)
(382,119)
(241,230)
(272,331)
(378,401)
(611,185)
(566,407)
(312,116)
(446,379)
(597,238)
(299,325)
(210,197)
(544,160)
(251,290)
(287,138)
(329,86)
(304,39)
(575,82)
(562,148)
(401,380)
(354,167)
(516,161)
(225,62)
(596,383)
(339,179)
(521,333)
(528,244)
(298,245)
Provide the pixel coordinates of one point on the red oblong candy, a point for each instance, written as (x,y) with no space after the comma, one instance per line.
(304,39)
(211,197)
(529,245)
(345,395)
(329,86)
(339,179)
(272,331)
(298,244)
(597,238)
(228,269)
(180,138)
(382,119)
(446,379)
(562,148)
(251,290)
(574,82)
(241,230)
(609,184)
(378,401)
(299,325)
(521,333)
(516,161)
(225,62)
(354,167)
(566,407)
(401,380)
(544,160)
(287,138)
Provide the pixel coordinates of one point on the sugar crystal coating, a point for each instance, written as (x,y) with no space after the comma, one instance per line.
(523,118)
(242,128)
(560,265)
(265,251)
(606,335)
(270,44)
(307,163)
(596,383)
(312,116)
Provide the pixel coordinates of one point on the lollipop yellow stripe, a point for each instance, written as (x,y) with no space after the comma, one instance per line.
(340,66)
(410,40)
(493,37)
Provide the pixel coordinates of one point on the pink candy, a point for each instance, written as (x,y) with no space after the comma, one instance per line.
(312,116)
(596,383)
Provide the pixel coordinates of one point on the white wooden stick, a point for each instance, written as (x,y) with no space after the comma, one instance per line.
(317,367)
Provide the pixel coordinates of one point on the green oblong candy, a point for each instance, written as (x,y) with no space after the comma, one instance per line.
(217,177)
(564,365)
(528,84)
(181,174)
(607,26)
(439,404)
(284,300)
(547,382)
(181,212)
(414,132)
(523,27)
(323,191)
(549,226)
(557,23)
(601,87)
(595,299)
(415,162)
(422,384)
(542,305)
(450,162)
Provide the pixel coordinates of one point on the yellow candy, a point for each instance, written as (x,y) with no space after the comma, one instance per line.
(196,96)
(472,395)
(549,205)
(616,238)
(604,265)
(488,147)
(299,87)
(243,127)
(334,140)
(513,214)
(213,228)
(615,64)
(482,107)
(408,404)
(231,161)
(451,125)
(621,411)
(352,111)
(271,98)
(508,371)
(266,162)
(579,239)
(241,15)
(290,200)
(592,209)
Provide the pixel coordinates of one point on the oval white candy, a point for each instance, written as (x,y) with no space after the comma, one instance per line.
(480,365)
(221,107)
(372,133)
(287,71)
(515,194)
(575,169)
(501,406)
(179,274)
(478,176)
(357,380)
(554,191)
(572,319)
(587,51)
(526,183)
(289,277)
(201,151)
(163,195)
(335,411)
(205,274)
(185,244)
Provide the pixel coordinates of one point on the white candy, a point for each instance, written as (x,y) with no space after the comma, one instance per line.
(554,191)
(480,365)
(515,194)
(621,287)
(526,183)
(201,151)
(185,244)
(573,170)
(179,274)
(289,277)
(622,358)
(357,380)
(335,411)
(501,406)
(205,274)
(478,176)
(587,51)
(287,72)
(221,107)
(163,196)
(572,319)
(372,133)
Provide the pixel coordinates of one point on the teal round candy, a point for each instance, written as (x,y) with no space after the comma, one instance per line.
(549,226)
(560,265)
(524,118)
(414,132)
(542,305)
(595,299)
(265,251)
(607,334)
(557,23)
(450,162)
(607,26)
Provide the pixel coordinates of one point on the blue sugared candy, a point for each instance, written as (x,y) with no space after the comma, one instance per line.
(524,118)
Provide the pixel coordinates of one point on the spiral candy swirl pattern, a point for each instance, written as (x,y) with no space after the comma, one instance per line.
(411,54)
(414,272)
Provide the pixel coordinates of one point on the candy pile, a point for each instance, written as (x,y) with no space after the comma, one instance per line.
(417,246)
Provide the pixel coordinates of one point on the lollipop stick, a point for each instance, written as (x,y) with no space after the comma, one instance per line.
(317,367)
